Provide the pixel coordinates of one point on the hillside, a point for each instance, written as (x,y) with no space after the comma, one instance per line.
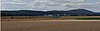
(75,12)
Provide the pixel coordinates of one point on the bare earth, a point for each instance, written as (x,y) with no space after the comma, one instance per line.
(50,25)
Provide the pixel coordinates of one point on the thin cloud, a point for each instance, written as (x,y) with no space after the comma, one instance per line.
(12,3)
(51,4)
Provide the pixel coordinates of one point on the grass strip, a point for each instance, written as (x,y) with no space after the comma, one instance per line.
(88,18)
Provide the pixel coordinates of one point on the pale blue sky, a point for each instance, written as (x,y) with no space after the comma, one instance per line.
(45,5)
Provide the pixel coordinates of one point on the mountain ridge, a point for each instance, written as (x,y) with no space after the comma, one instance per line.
(74,12)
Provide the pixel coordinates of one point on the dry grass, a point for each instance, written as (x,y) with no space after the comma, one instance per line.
(51,26)
(22,18)
(28,25)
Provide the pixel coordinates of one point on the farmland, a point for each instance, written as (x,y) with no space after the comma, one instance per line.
(32,18)
(33,23)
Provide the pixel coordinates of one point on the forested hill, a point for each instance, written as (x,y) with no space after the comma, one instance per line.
(74,12)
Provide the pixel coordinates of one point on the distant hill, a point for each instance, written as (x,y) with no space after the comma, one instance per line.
(72,11)
(75,12)
(80,11)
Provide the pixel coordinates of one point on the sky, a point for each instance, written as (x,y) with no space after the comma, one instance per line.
(47,5)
